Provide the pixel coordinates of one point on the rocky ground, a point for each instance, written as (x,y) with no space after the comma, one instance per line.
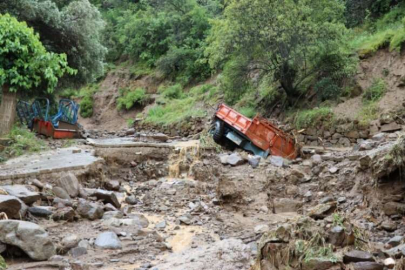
(147,201)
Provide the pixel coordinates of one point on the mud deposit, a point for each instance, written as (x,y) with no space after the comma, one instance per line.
(128,204)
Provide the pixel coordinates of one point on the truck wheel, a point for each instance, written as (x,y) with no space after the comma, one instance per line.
(219,129)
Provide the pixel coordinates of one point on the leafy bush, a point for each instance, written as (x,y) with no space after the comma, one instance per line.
(86,107)
(172,92)
(308,118)
(130,98)
(375,91)
(327,89)
(234,82)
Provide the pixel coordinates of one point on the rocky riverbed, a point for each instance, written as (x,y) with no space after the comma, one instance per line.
(151,202)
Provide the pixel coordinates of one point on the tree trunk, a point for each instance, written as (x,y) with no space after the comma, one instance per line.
(7,110)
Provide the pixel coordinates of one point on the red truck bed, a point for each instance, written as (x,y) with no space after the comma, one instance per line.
(260,132)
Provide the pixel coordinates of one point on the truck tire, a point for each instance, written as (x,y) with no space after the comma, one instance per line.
(219,129)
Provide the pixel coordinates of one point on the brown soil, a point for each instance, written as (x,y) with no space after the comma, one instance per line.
(106,117)
(386,65)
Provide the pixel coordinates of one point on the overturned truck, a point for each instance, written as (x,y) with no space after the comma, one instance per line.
(256,135)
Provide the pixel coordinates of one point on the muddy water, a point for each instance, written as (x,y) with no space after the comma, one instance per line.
(185,150)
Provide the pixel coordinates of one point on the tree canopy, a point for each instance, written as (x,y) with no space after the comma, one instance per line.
(287,39)
(24,61)
(66,26)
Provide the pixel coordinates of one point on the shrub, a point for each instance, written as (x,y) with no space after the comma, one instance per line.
(313,117)
(86,107)
(368,113)
(327,89)
(375,91)
(172,92)
(129,98)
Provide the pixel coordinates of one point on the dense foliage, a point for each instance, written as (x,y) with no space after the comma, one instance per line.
(290,40)
(24,61)
(72,27)
(169,35)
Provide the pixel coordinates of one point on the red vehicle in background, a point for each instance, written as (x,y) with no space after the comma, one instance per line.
(256,135)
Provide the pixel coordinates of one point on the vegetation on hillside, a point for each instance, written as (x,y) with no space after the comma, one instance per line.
(266,54)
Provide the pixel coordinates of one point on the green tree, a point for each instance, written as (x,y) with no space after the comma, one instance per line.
(73,27)
(283,38)
(24,64)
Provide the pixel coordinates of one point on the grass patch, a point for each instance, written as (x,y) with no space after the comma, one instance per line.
(308,118)
(175,111)
(129,98)
(368,113)
(22,141)
(388,31)
(375,92)
(248,111)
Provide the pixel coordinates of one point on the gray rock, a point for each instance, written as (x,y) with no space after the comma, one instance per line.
(23,193)
(379,137)
(254,161)
(223,159)
(140,220)
(70,184)
(89,210)
(186,219)
(29,237)
(70,241)
(112,214)
(395,241)
(77,252)
(337,236)
(397,251)
(357,256)
(132,200)
(40,211)
(66,213)
(341,200)
(277,161)
(321,211)
(60,193)
(235,159)
(391,127)
(316,159)
(10,205)
(161,225)
(262,228)
(108,240)
(326,199)
(84,244)
(107,197)
(109,207)
(367,266)
(113,185)
(333,170)
(37,183)
(389,225)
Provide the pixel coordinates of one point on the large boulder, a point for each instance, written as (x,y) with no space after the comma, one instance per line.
(22,192)
(10,205)
(29,237)
(70,184)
